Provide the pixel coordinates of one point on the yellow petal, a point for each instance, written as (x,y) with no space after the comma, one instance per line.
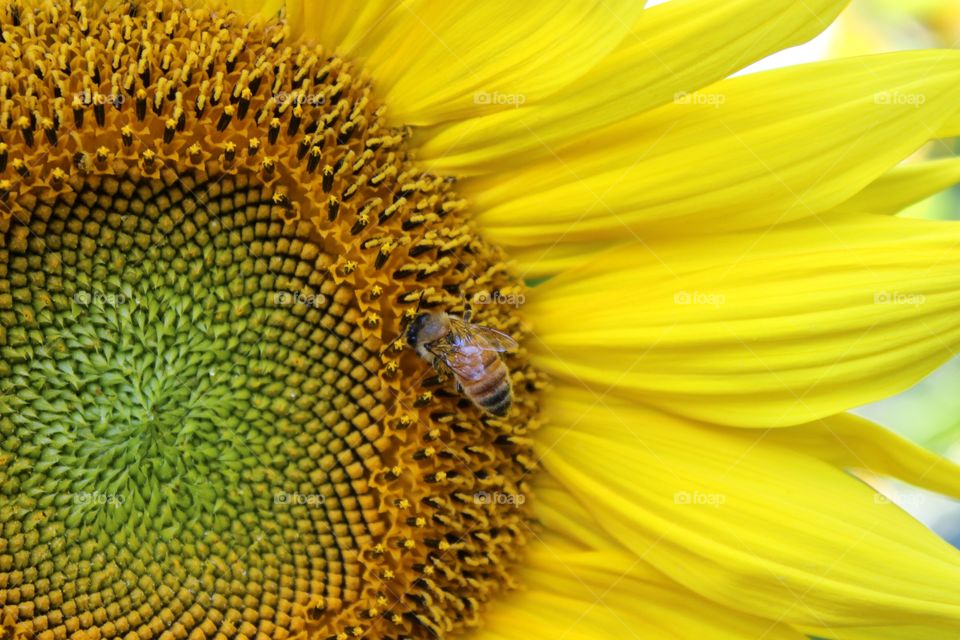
(342,25)
(562,513)
(540,261)
(748,523)
(852,442)
(435,60)
(678,46)
(758,329)
(889,194)
(950,128)
(597,595)
(261,8)
(749,152)
(903,186)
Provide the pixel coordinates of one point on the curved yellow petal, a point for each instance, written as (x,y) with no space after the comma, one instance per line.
(746,152)
(852,442)
(758,329)
(540,261)
(561,513)
(889,194)
(950,128)
(747,522)
(678,46)
(903,186)
(596,595)
(435,60)
(340,26)
(262,8)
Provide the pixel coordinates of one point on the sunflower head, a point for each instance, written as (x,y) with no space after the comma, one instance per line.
(211,244)
(235,271)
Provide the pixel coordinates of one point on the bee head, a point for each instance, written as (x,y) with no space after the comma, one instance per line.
(413,331)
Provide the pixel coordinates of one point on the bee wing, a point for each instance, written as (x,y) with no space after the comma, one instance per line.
(480,336)
(465,361)
(492,340)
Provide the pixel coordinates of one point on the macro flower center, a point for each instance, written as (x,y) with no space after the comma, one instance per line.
(211,244)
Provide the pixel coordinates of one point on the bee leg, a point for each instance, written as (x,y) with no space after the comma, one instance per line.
(459,387)
(467,312)
(444,372)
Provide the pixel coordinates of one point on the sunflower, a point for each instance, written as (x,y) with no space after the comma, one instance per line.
(219,223)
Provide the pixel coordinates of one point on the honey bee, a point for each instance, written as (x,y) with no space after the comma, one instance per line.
(470,352)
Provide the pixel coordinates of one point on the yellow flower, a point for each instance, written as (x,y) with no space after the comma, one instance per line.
(219,227)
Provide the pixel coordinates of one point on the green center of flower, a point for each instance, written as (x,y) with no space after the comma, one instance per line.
(175,377)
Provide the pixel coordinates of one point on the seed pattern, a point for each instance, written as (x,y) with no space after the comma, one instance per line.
(210,240)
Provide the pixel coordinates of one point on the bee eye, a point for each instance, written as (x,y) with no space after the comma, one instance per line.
(414,329)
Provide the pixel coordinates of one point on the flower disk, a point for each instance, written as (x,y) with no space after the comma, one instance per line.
(210,241)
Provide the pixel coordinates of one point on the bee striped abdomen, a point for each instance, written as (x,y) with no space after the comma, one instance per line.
(491,392)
